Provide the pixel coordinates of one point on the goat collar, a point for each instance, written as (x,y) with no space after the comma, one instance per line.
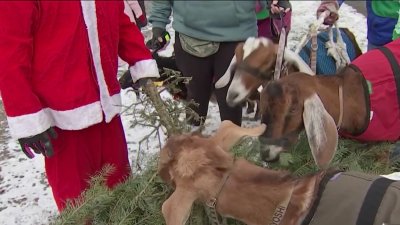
(262,75)
(340,120)
(212,202)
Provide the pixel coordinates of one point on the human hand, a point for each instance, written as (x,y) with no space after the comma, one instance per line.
(40,143)
(278,7)
(125,81)
(159,40)
(332,6)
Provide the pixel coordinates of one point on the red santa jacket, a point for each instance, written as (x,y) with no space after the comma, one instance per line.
(58,62)
(380,67)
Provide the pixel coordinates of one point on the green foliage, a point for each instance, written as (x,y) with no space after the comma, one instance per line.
(351,155)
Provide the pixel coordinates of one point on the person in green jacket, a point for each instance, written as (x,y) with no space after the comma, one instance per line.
(206,35)
(382,17)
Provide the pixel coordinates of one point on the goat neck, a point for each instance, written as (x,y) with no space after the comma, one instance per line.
(354,102)
(252,194)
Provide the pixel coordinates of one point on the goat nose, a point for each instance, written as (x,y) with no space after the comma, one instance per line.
(266,156)
(233,95)
(264,153)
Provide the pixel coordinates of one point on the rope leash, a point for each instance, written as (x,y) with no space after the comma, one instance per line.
(281,49)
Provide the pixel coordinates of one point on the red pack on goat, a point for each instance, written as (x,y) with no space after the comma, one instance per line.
(380,67)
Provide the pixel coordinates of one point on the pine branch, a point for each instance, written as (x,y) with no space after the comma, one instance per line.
(160,107)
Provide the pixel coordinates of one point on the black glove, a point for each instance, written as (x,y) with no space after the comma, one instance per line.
(40,143)
(160,38)
(143,82)
(125,81)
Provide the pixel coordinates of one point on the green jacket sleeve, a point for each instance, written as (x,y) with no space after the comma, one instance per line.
(160,13)
(396,31)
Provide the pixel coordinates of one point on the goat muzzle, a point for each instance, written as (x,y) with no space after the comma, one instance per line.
(271,148)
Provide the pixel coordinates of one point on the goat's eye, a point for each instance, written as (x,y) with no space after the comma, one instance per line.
(293,109)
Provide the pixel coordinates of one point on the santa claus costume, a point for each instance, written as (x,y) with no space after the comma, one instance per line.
(58,66)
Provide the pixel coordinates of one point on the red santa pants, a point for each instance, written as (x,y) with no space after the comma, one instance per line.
(81,154)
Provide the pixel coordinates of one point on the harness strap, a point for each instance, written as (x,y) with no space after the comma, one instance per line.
(340,120)
(281,50)
(395,68)
(372,201)
(313,55)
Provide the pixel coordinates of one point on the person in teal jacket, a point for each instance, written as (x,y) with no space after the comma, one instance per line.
(206,35)
(382,17)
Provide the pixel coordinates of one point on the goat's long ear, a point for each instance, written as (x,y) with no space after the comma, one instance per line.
(176,209)
(296,62)
(229,133)
(238,57)
(168,153)
(321,131)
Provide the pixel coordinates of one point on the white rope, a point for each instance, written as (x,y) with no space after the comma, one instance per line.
(337,50)
(314,27)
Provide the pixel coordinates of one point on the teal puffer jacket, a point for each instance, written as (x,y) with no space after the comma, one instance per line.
(220,21)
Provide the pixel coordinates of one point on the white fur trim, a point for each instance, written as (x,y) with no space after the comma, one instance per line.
(108,102)
(36,123)
(135,7)
(144,68)
(128,11)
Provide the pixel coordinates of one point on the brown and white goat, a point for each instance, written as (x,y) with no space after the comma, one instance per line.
(314,101)
(300,101)
(253,65)
(202,169)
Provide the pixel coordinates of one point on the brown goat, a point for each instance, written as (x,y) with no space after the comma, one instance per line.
(301,101)
(202,169)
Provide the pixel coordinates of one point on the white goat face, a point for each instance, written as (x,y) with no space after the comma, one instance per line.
(240,88)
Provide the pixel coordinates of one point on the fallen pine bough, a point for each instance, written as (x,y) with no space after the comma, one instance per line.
(138,201)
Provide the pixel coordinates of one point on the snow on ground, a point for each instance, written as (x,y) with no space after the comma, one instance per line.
(25,197)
